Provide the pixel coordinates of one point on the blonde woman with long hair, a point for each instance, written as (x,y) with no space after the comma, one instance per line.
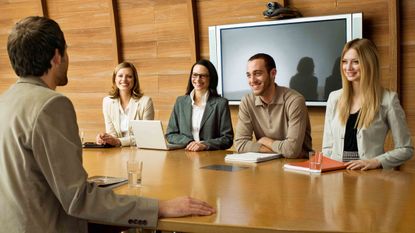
(359,116)
(125,102)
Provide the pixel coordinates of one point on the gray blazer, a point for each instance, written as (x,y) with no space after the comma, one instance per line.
(215,128)
(371,141)
(43,184)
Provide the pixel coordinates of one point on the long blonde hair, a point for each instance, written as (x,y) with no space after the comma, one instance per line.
(369,83)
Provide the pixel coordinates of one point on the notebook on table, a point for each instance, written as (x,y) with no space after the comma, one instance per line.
(251,157)
(149,134)
(105,181)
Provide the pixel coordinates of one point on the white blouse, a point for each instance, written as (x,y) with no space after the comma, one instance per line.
(124,119)
(197,114)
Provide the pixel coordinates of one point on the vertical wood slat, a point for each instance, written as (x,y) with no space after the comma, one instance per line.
(115,28)
(194,30)
(44,8)
(407,58)
(394,38)
(394,54)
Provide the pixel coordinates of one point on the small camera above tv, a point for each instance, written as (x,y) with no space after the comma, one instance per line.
(306,52)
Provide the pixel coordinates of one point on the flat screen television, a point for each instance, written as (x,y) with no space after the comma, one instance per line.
(306,52)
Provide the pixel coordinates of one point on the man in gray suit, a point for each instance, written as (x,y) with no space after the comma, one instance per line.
(43,184)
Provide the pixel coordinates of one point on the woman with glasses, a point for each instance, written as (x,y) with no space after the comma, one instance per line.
(201,119)
(125,102)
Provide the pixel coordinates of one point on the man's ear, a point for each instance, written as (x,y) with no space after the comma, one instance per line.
(57,58)
(273,73)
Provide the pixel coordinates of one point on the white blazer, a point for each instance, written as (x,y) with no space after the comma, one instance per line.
(371,140)
(141,109)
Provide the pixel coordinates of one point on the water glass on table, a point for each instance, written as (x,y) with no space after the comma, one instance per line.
(315,159)
(134,169)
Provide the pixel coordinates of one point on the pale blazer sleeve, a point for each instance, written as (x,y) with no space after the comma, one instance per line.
(395,118)
(57,150)
(328,136)
(145,109)
(141,109)
(110,110)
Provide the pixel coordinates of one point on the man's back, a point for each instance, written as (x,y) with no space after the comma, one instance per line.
(44,186)
(26,195)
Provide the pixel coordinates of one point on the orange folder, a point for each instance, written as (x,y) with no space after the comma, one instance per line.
(328,164)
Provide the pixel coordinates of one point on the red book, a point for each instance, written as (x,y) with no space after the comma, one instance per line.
(327,164)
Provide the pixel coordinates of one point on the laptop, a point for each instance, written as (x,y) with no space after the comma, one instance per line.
(149,135)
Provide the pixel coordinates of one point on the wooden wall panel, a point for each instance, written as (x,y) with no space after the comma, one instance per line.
(407,33)
(89,32)
(376,28)
(157,37)
(11,12)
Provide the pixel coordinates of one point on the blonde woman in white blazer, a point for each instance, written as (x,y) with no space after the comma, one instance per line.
(359,116)
(126,102)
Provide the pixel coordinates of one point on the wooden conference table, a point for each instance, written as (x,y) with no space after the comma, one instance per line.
(263,197)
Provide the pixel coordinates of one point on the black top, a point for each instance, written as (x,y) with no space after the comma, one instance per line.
(350,142)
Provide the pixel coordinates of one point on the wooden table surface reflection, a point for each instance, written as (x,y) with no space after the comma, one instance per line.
(265,198)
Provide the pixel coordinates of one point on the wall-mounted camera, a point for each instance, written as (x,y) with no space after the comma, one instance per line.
(276,11)
(273,5)
(271,8)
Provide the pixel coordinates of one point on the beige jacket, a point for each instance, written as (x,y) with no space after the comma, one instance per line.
(43,184)
(371,141)
(141,109)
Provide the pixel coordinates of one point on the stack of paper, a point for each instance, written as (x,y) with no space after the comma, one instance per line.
(104,181)
(327,164)
(251,157)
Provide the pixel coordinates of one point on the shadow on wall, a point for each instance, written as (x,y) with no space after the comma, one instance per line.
(334,81)
(304,80)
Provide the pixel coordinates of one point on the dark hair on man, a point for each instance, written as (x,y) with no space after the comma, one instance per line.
(32,43)
(213,78)
(269,61)
(135,91)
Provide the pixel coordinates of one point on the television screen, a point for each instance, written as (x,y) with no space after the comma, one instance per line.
(306,52)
